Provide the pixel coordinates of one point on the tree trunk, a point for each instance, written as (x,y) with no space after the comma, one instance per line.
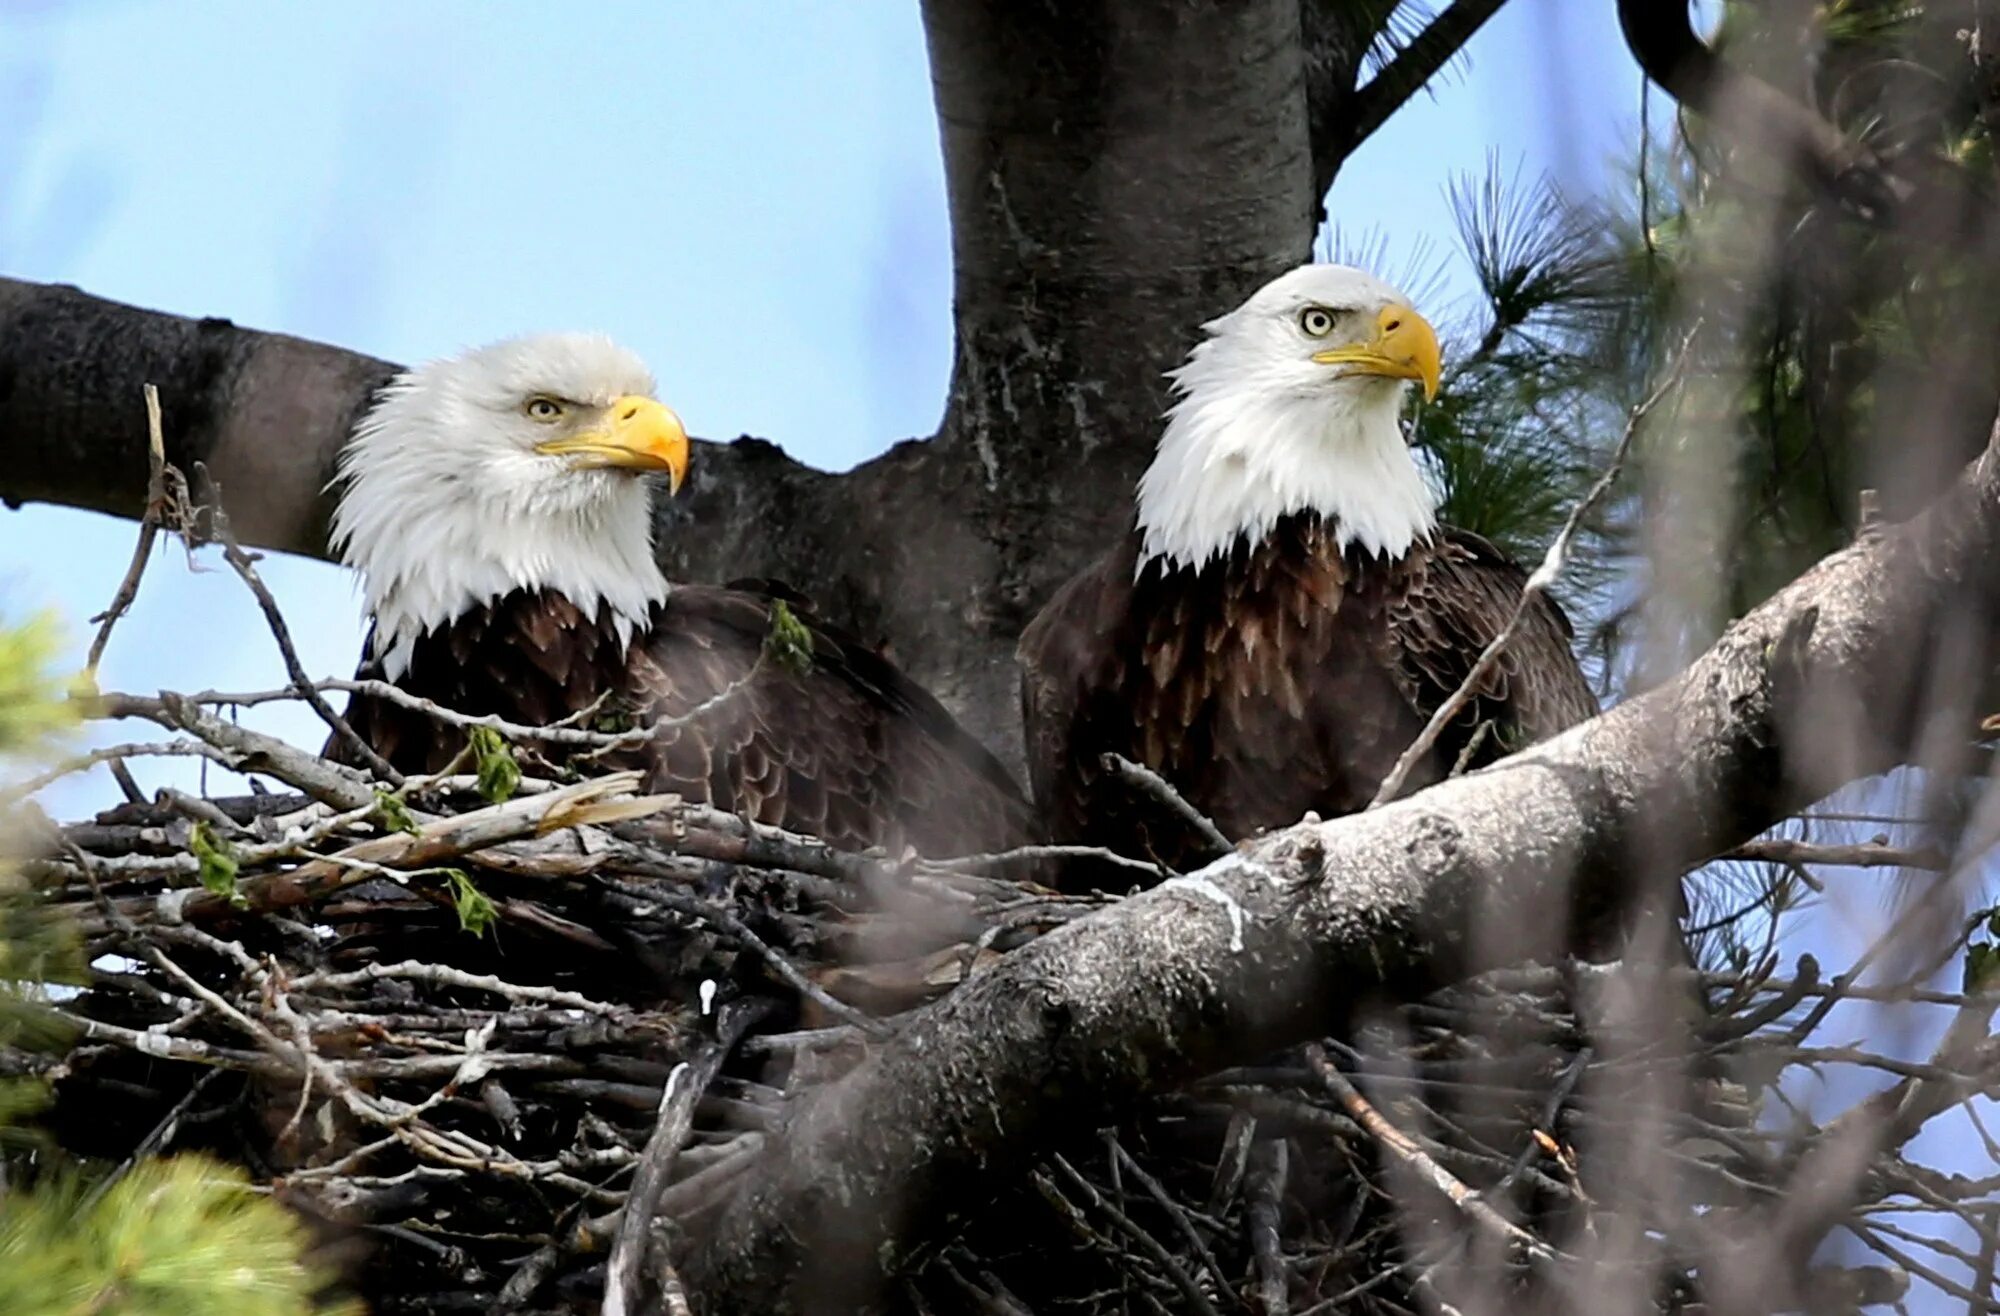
(1112,185)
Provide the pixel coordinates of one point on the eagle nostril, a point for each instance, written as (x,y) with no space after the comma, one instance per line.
(631,410)
(1393,326)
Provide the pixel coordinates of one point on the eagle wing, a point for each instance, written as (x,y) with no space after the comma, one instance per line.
(1450,606)
(1065,691)
(848,748)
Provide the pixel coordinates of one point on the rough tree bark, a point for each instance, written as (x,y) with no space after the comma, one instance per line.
(1117,174)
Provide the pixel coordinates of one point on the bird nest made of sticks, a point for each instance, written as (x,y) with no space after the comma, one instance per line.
(459,1032)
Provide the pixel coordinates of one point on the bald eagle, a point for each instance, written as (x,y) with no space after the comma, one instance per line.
(497,509)
(1286,612)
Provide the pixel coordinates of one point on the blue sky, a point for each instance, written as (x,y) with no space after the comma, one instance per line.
(713,184)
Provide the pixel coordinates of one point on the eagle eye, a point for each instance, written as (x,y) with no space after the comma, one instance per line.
(546,410)
(1316,321)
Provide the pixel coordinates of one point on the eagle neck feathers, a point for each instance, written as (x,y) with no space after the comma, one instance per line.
(1236,460)
(433,545)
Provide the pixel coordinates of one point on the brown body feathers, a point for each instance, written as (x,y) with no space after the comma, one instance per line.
(847,749)
(1282,677)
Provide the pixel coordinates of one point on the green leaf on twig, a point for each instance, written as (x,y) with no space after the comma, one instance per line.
(218,863)
(474,907)
(394,813)
(789,643)
(499,774)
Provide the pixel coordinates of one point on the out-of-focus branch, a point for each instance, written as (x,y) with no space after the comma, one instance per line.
(150,520)
(1824,1185)
(1662,38)
(1865,854)
(1420,1163)
(1536,585)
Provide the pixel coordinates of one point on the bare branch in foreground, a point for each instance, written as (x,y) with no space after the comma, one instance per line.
(1143,778)
(1865,854)
(1275,942)
(686,1084)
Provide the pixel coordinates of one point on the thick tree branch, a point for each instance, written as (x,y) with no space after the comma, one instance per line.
(1292,934)
(1342,125)
(266,412)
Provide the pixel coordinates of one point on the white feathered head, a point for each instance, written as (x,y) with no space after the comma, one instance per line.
(510,467)
(1292,404)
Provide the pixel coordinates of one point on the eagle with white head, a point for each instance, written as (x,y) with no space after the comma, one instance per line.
(498,508)
(1286,613)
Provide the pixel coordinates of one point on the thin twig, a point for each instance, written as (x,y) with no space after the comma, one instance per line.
(1152,783)
(128,785)
(149,528)
(1270,1168)
(1398,1144)
(1155,1251)
(1176,1213)
(735,928)
(245,565)
(563,732)
(1867,854)
(1537,584)
(685,1085)
(112,754)
(160,1135)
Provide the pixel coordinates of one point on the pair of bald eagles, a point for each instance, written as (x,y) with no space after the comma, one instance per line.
(1277,627)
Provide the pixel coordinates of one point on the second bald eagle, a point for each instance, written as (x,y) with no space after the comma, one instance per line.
(1286,613)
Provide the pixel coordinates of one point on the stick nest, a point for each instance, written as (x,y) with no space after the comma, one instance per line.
(443,1028)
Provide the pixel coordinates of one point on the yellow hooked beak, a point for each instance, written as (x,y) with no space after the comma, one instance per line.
(1405,347)
(639,434)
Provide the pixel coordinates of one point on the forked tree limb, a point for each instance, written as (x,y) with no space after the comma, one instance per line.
(1824,683)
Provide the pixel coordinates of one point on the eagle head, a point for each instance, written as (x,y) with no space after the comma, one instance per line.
(514,466)
(1292,403)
